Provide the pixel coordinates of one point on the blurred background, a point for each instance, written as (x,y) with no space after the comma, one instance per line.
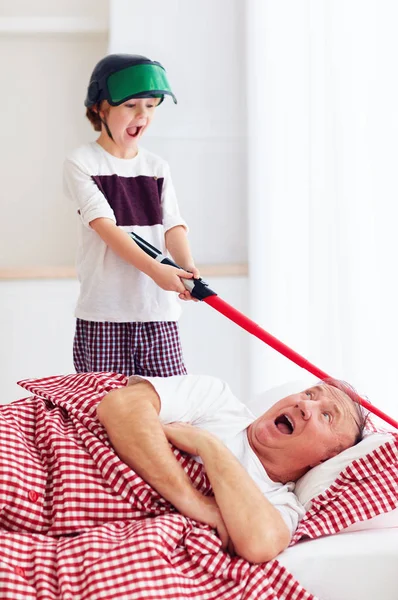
(283,150)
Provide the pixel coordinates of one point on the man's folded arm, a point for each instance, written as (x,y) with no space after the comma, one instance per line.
(239,510)
(130,417)
(256,528)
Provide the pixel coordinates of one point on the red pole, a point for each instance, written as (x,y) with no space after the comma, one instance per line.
(201,291)
(252,327)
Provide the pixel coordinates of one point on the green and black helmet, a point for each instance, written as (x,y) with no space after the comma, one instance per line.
(119,77)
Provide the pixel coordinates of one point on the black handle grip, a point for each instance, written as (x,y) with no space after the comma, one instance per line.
(197,287)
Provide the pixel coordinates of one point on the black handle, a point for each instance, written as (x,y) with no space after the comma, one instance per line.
(198,287)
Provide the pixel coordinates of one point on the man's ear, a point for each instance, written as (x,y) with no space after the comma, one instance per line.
(332,454)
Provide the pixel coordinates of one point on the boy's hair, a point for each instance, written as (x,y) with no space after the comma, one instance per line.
(93,115)
(94,118)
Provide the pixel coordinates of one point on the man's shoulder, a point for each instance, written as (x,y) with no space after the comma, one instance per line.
(198,399)
(219,403)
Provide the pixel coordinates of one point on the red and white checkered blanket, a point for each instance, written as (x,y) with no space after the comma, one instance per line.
(77,523)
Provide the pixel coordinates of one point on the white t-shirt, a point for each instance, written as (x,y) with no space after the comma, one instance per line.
(208,403)
(138,195)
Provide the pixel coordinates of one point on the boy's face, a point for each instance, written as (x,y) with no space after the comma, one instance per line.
(128,121)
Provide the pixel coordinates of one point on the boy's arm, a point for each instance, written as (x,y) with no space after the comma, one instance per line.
(255,527)
(175,228)
(130,417)
(177,244)
(165,276)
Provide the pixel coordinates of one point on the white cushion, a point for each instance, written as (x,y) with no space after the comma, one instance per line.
(318,479)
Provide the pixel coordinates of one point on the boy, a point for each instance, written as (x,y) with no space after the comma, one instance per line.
(126,314)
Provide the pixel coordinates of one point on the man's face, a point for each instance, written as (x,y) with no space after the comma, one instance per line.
(302,430)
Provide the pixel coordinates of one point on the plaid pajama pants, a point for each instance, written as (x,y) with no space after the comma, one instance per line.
(151,349)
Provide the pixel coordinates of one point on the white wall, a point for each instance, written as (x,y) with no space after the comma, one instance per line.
(46,74)
(323,130)
(201,45)
(46,62)
(37,327)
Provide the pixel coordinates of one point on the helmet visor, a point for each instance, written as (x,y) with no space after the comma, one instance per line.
(138,81)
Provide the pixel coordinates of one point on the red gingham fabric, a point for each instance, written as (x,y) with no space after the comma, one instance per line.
(76,522)
(365,489)
(150,349)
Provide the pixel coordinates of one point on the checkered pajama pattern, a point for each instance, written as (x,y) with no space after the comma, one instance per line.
(150,349)
(127,542)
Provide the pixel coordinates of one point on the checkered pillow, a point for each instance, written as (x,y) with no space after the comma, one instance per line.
(367,487)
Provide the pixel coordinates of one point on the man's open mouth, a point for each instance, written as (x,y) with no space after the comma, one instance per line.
(284,424)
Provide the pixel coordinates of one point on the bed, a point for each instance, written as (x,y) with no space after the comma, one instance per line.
(127,542)
(361,565)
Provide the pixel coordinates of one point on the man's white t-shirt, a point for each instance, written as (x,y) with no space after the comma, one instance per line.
(208,402)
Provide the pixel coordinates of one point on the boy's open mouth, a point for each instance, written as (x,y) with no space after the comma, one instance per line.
(284,424)
(133,131)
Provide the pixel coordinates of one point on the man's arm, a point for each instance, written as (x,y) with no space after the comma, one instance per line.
(130,417)
(256,528)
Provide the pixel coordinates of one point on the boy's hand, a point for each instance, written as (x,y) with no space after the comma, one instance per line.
(186,295)
(169,278)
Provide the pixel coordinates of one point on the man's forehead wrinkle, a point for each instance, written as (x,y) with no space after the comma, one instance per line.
(339,396)
(346,403)
(342,402)
(336,396)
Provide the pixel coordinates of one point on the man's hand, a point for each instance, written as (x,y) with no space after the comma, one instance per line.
(190,439)
(211,515)
(186,437)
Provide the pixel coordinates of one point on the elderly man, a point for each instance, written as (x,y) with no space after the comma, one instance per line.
(251,463)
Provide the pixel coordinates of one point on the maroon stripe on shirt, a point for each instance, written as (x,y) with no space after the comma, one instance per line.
(134,200)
